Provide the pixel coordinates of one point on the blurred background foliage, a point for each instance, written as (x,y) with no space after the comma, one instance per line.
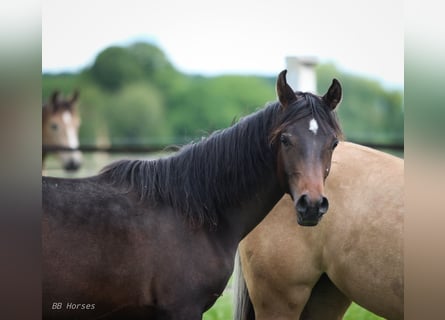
(134,95)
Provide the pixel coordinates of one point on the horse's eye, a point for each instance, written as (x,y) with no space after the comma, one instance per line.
(54,126)
(335,144)
(284,140)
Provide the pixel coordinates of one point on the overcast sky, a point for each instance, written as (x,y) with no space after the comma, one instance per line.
(231,36)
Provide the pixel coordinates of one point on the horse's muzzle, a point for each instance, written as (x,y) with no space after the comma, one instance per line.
(72,165)
(310,211)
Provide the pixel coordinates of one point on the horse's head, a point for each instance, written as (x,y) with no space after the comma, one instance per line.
(60,127)
(306,136)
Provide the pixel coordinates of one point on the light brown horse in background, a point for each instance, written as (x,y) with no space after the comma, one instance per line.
(354,254)
(60,129)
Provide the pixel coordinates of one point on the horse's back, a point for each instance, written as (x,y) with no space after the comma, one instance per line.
(90,197)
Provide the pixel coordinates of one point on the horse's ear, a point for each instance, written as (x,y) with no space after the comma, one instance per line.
(75,96)
(333,96)
(284,92)
(73,100)
(55,97)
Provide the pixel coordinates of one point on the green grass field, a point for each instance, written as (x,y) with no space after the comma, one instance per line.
(222,310)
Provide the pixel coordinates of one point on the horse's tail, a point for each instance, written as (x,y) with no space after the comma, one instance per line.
(243,308)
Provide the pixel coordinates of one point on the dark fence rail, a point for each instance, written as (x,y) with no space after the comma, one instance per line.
(114,148)
(173,148)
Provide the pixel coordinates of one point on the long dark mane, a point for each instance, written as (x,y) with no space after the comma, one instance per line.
(204,179)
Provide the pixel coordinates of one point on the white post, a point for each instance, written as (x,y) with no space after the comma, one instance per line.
(301,74)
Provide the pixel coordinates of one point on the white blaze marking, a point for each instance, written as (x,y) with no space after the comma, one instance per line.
(313,126)
(73,142)
(66,117)
(71,133)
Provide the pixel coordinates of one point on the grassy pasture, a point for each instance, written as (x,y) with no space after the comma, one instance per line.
(223,308)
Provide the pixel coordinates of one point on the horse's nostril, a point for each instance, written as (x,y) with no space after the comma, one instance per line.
(302,204)
(324,205)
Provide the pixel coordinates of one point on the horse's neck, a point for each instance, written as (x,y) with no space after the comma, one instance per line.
(239,166)
(265,190)
(247,217)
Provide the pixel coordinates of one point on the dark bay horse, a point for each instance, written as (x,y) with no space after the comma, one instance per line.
(157,239)
(354,254)
(60,128)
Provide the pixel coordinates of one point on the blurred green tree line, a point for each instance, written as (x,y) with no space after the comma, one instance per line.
(134,95)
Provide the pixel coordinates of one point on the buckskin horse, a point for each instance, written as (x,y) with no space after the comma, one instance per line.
(156,239)
(354,254)
(60,129)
